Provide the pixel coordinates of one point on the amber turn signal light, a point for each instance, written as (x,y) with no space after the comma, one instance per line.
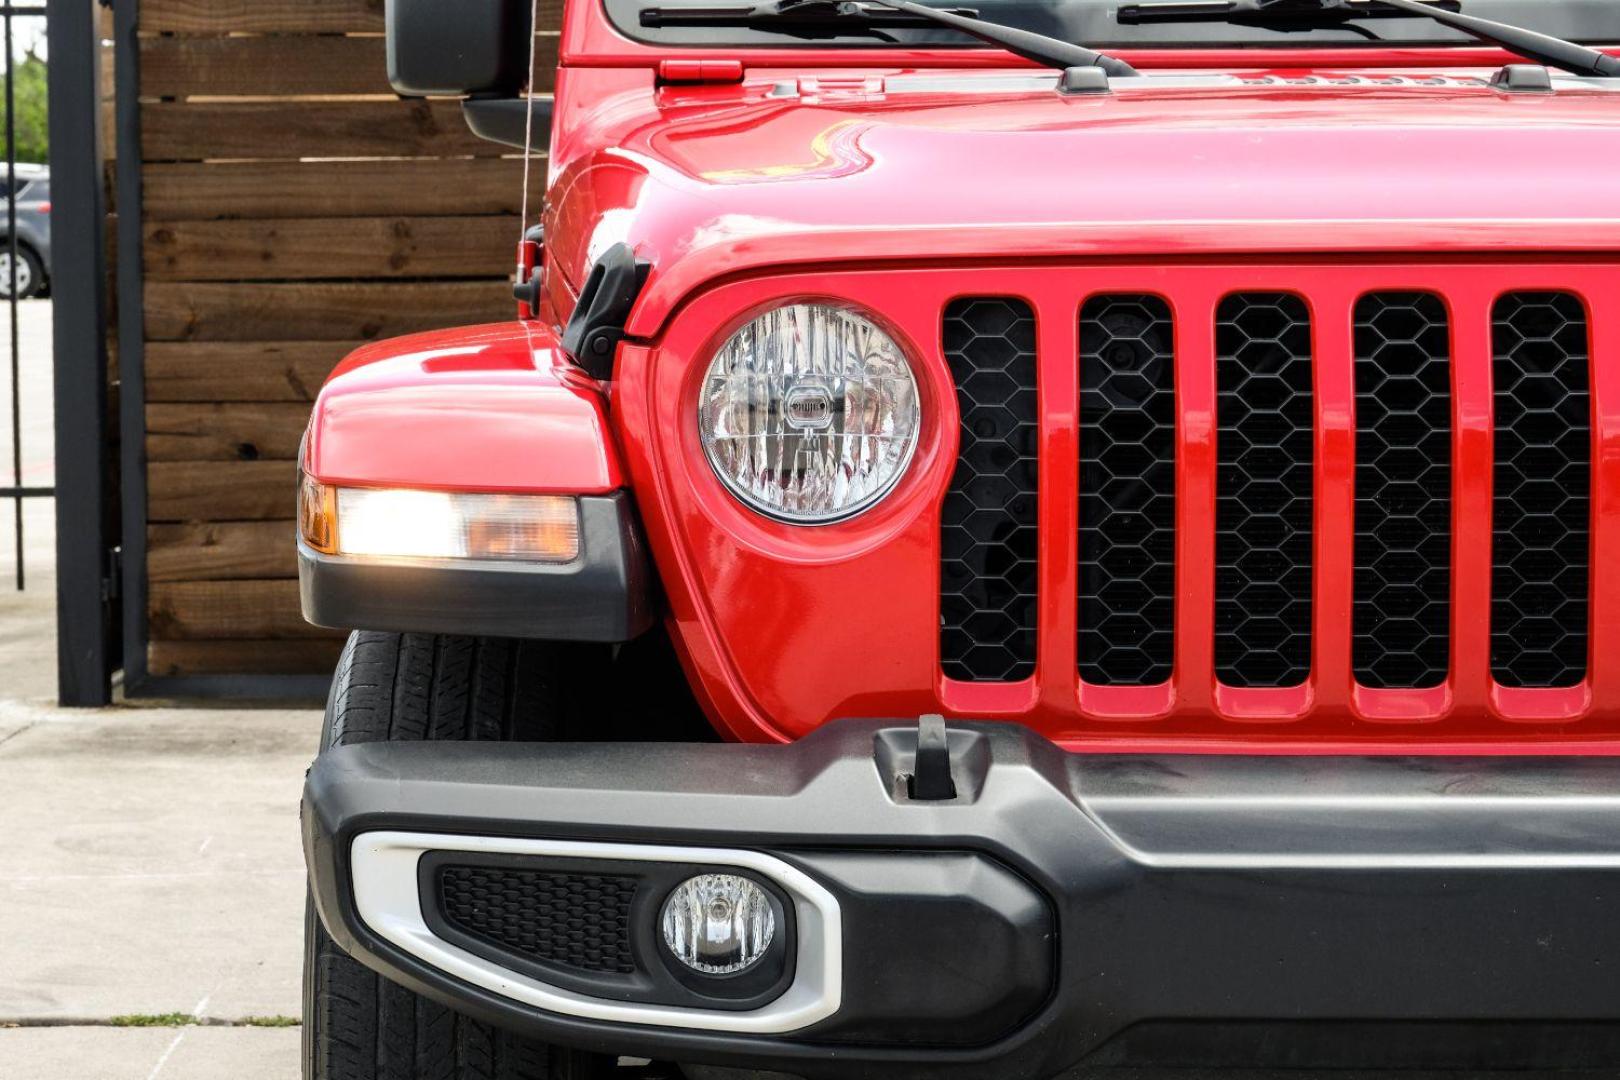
(317,515)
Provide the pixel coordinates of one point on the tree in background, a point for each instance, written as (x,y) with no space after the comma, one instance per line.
(33,137)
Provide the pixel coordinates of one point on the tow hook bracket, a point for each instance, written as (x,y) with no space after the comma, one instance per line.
(930,779)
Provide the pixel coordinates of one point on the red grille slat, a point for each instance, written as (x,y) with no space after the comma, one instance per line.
(1057,339)
(1472,450)
(1335,500)
(1603,666)
(1194,314)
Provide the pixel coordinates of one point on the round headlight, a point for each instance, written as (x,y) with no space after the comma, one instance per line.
(809,413)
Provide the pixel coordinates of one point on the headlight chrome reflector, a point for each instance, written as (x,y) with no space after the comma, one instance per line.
(413,524)
(809,414)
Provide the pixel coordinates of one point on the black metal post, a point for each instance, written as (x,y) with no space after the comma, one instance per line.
(78,218)
(131,287)
(11,291)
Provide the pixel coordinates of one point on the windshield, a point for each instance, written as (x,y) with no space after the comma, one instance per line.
(1094,23)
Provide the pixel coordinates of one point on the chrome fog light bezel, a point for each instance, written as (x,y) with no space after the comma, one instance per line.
(385,878)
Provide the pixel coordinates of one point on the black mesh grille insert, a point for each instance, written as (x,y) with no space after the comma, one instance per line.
(1263,490)
(579,921)
(1541,541)
(988,536)
(1127,490)
(1403,491)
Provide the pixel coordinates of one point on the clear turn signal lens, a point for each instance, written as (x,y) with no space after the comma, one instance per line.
(405,523)
(718,924)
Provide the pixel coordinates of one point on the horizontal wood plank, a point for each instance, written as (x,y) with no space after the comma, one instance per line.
(283,16)
(263,66)
(308,656)
(313,248)
(240,371)
(225,130)
(338,311)
(285,65)
(220,550)
(209,610)
(253,431)
(261,16)
(220,490)
(423,187)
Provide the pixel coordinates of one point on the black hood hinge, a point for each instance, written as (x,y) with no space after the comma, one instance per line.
(596,327)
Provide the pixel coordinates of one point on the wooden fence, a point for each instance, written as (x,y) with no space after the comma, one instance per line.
(292,209)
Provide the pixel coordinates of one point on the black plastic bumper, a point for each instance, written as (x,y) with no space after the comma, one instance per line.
(604,595)
(1186,900)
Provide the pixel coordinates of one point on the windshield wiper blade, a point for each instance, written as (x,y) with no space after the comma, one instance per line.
(1039,48)
(1263,12)
(1542,48)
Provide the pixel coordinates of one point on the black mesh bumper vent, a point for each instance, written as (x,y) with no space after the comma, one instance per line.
(1263,490)
(1541,535)
(578,921)
(1127,491)
(1403,491)
(989,538)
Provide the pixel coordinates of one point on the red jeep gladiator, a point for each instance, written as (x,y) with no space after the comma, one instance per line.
(1057,537)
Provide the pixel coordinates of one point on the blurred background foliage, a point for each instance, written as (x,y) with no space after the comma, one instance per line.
(33,138)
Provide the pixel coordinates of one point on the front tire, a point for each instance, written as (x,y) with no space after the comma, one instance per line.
(408,687)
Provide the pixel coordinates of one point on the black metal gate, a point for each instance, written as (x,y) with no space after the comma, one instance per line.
(17,491)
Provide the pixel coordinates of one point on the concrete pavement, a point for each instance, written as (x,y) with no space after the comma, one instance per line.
(152,867)
(151,855)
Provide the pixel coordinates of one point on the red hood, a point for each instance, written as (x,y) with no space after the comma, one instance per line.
(712,181)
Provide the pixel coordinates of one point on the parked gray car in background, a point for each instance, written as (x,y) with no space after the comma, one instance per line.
(30,188)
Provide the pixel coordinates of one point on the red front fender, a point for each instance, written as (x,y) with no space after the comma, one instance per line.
(486,408)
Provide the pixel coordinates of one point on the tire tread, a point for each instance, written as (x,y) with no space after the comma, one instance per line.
(401,688)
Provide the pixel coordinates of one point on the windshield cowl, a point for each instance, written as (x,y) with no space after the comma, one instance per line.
(1097,24)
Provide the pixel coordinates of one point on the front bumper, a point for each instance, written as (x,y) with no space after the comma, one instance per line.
(1059,909)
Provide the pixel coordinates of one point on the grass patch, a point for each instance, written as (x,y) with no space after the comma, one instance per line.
(179,1019)
(144,1020)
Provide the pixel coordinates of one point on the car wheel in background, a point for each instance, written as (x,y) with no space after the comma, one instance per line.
(29,275)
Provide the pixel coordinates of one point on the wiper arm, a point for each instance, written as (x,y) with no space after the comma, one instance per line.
(1049,51)
(1542,48)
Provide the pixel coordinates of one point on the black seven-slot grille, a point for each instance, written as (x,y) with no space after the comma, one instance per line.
(564,920)
(1265,491)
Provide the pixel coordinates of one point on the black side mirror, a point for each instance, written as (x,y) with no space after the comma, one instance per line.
(477,48)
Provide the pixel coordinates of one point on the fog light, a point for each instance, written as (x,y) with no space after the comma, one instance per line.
(718,923)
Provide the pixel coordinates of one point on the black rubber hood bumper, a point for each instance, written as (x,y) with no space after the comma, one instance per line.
(1062,908)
